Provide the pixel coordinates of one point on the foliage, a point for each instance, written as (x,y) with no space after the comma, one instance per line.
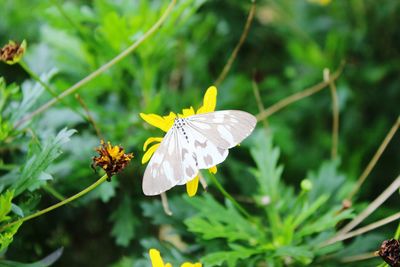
(294,225)
(283,175)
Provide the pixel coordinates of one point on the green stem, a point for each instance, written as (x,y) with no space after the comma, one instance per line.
(37,78)
(59,204)
(68,18)
(397,234)
(46,86)
(102,69)
(228,196)
(53,192)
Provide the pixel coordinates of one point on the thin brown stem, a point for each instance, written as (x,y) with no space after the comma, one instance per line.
(203,181)
(102,69)
(89,116)
(164,202)
(375,158)
(260,104)
(359,257)
(392,188)
(298,96)
(335,115)
(235,51)
(368,228)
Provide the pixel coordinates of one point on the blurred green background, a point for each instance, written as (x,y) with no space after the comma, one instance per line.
(289,44)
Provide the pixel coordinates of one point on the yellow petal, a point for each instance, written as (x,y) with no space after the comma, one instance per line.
(149,153)
(155,257)
(168,265)
(169,119)
(191,186)
(156,120)
(189,264)
(213,170)
(209,101)
(151,140)
(188,112)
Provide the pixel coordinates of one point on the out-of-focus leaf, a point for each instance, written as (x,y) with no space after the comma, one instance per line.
(299,253)
(327,181)
(124,223)
(47,261)
(31,92)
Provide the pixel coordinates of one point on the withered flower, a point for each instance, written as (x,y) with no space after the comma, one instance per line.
(112,159)
(390,252)
(12,52)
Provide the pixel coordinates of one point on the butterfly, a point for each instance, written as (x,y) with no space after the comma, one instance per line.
(193,143)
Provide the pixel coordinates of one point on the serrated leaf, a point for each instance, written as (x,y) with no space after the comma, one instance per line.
(324,222)
(230,257)
(217,221)
(124,223)
(5,205)
(38,163)
(268,173)
(7,235)
(31,92)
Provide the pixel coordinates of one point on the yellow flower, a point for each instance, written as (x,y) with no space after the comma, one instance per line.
(157,261)
(12,52)
(165,123)
(321,2)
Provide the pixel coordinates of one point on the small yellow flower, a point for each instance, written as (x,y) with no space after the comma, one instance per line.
(157,261)
(321,2)
(12,52)
(165,123)
(112,159)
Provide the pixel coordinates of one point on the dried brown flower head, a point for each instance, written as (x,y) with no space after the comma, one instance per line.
(112,159)
(390,252)
(12,52)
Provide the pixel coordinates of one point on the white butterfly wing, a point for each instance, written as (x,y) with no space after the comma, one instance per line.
(200,143)
(165,168)
(206,154)
(226,128)
(189,165)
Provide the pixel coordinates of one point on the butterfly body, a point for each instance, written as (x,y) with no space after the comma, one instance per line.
(197,142)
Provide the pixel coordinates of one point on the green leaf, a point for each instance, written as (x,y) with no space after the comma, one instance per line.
(31,92)
(38,163)
(47,261)
(308,211)
(5,205)
(299,253)
(7,235)
(268,173)
(124,223)
(327,181)
(324,222)
(230,257)
(217,221)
